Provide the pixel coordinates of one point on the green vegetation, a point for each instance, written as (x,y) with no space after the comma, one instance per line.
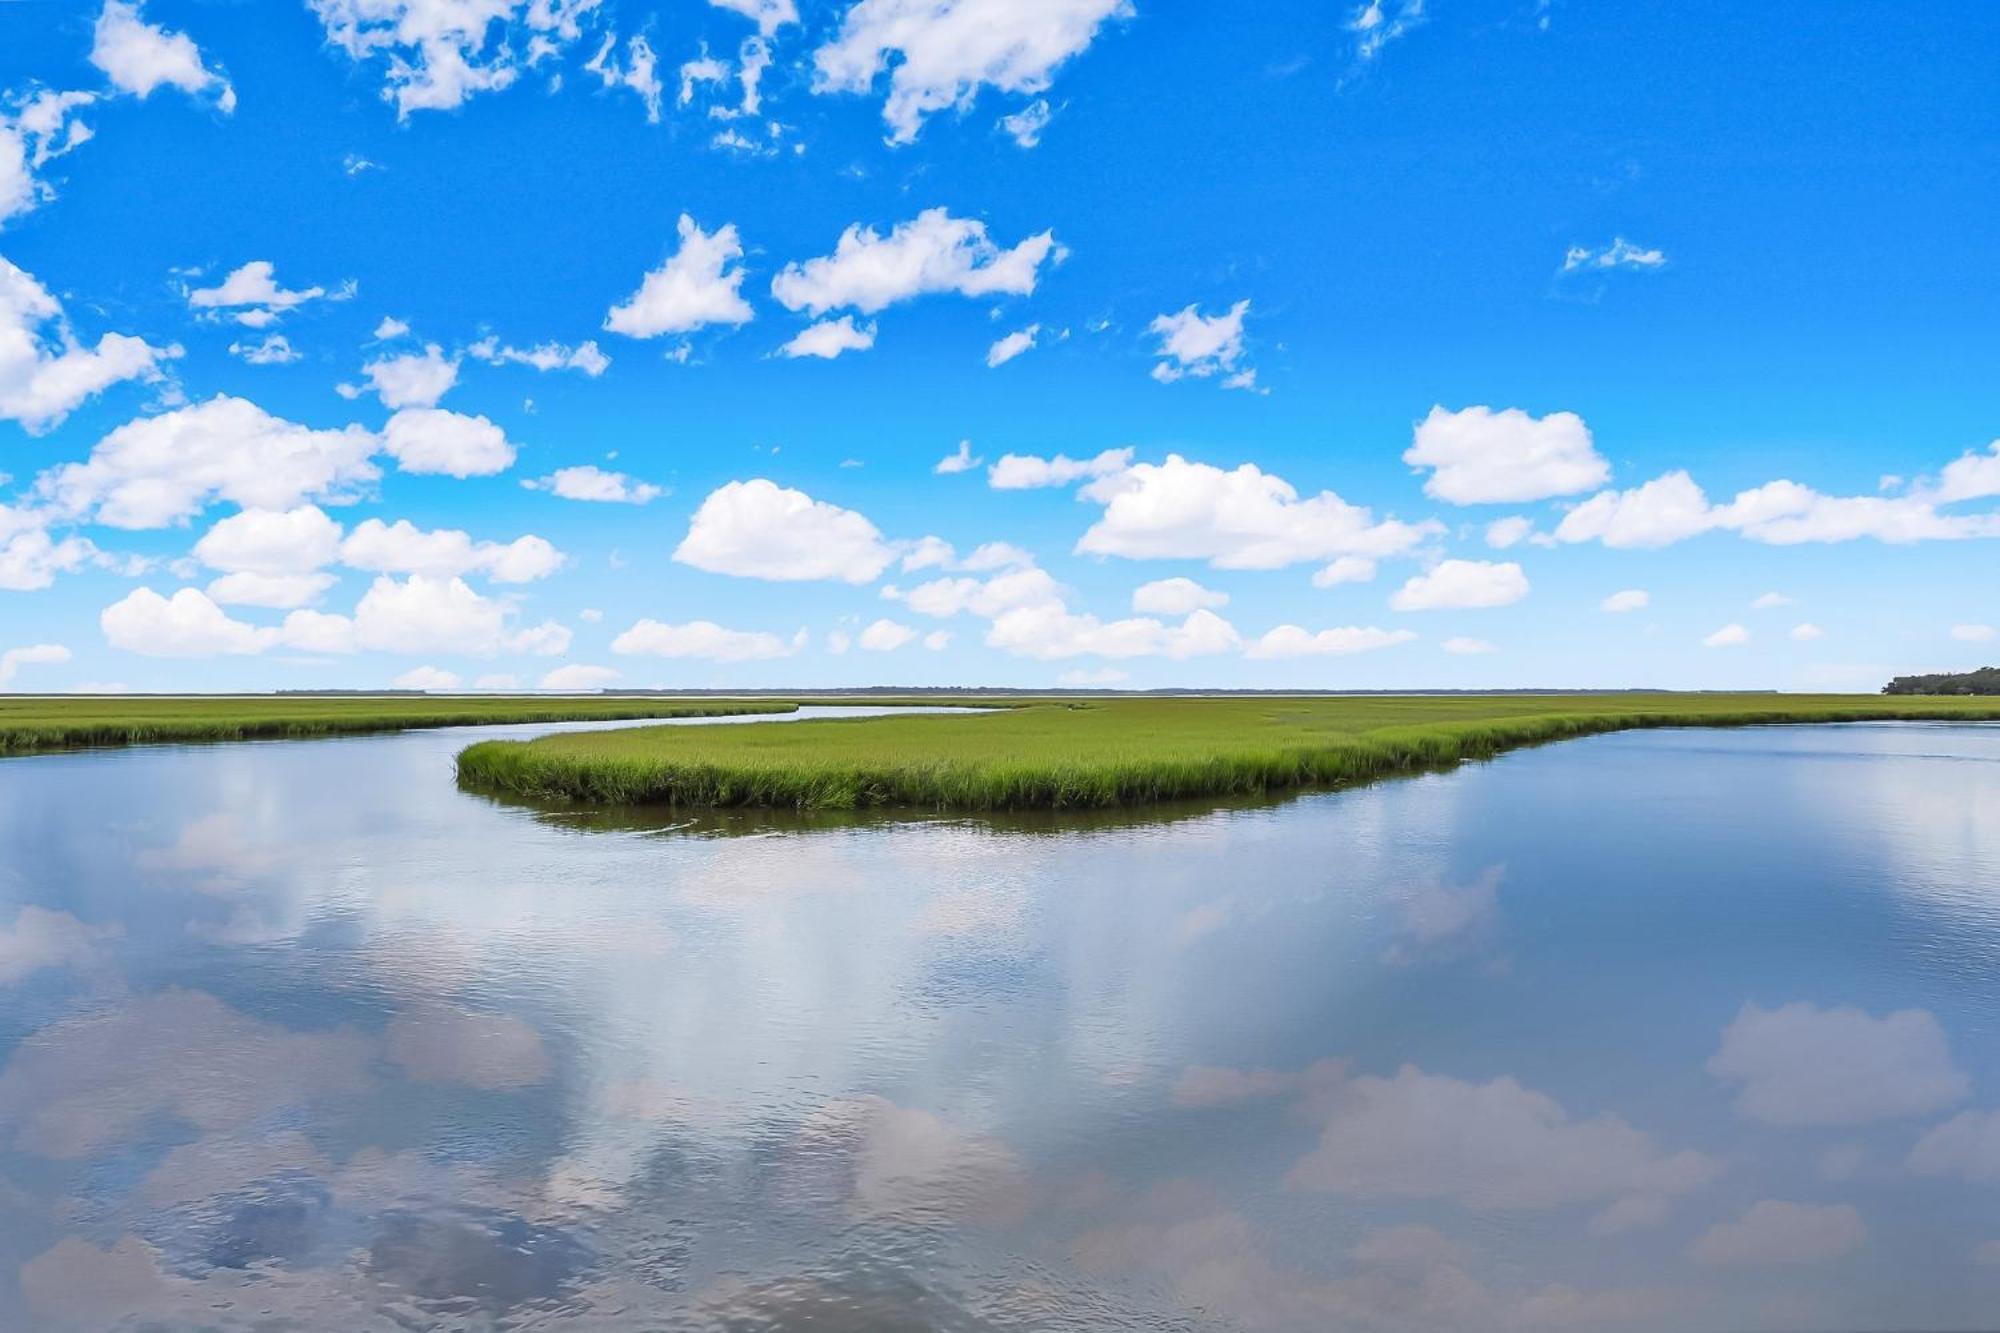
(1986,680)
(1076,754)
(45,722)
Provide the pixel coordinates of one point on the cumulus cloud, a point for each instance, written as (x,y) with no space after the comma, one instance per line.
(639,71)
(885,636)
(1629,599)
(1346,569)
(188,624)
(283,592)
(403,548)
(1192,343)
(1047,630)
(958,461)
(589,482)
(1775,1232)
(696,286)
(761,530)
(1729,636)
(945,51)
(427,678)
(1621,253)
(30,559)
(1176,597)
(34,654)
(424,614)
(1021,472)
(703,639)
(1480,456)
(829,338)
(1455,585)
(267,541)
(1673,508)
(1242,519)
(768,15)
(45,371)
(1806,632)
(1971,476)
(1464,647)
(585,356)
(1026,125)
(161,469)
(1291,641)
(252,296)
(1801,1065)
(1967,1146)
(1011,346)
(36,129)
(437,53)
(577,676)
(412,379)
(139,57)
(932,253)
(1504,533)
(271,350)
(438,442)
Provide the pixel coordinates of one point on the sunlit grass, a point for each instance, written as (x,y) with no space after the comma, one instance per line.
(41,722)
(1059,754)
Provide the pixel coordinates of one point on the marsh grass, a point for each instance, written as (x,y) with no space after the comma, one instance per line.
(1107,752)
(31,723)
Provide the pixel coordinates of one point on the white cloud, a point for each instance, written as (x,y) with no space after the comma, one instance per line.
(1802,1065)
(1374,27)
(266,541)
(40,939)
(283,592)
(1021,472)
(585,356)
(1176,597)
(187,624)
(885,636)
(1729,636)
(1462,584)
(1505,533)
(1463,647)
(758,529)
(695,287)
(829,338)
(138,57)
(45,372)
(423,614)
(1047,630)
(1011,346)
(1631,599)
(589,482)
(1495,1146)
(1026,125)
(1769,601)
(932,253)
(1241,519)
(252,294)
(987,598)
(31,559)
(1967,1146)
(403,548)
(937,640)
(579,677)
(435,441)
(1673,508)
(34,654)
(1199,345)
(639,71)
(1480,456)
(1621,253)
(157,470)
(41,127)
(412,379)
(438,53)
(1291,641)
(1971,476)
(272,350)
(1346,569)
(703,639)
(947,50)
(954,463)
(1806,632)
(1776,1232)
(768,15)
(427,678)
(1974,633)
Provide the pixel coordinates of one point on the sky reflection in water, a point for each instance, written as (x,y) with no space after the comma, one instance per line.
(1674,1030)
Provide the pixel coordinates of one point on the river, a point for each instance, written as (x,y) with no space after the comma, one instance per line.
(1669,1030)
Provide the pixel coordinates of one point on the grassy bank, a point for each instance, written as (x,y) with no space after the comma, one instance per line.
(1057,754)
(40,722)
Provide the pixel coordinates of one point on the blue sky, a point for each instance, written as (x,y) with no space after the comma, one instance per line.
(1429,329)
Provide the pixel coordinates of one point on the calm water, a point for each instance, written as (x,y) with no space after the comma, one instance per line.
(1676,1030)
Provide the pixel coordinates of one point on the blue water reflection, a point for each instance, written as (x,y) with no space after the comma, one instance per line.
(1663,1031)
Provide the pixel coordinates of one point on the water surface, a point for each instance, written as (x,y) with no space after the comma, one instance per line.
(1668,1030)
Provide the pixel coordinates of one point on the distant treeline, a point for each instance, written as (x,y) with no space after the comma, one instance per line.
(1986,680)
